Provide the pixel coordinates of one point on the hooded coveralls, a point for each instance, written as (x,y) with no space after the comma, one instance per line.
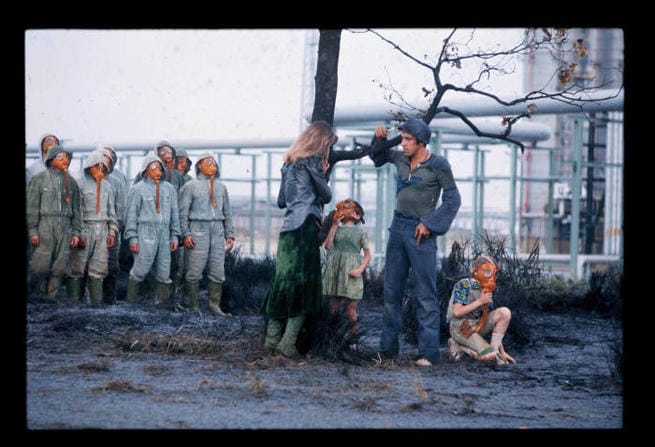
(120,187)
(94,257)
(54,220)
(38,165)
(209,226)
(153,231)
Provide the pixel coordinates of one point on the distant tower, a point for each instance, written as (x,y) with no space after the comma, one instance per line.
(602,140)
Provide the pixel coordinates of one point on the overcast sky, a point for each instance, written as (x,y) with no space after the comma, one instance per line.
(92,86)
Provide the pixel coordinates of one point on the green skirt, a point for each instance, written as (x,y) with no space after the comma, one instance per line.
(296,287)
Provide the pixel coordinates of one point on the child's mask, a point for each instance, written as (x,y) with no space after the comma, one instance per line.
(154,170)
(61,161)
(486,276)
(208,167)
(97,171)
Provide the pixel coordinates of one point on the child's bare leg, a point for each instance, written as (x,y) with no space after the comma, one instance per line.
(351,314)
(502,317)
(335,303)
(455,349)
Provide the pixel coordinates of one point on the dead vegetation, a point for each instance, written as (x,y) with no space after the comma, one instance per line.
(121,386)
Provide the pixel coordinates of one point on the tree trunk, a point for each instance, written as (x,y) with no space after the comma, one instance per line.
(326,79)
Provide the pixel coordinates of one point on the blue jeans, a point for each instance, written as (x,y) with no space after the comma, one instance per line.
(403,253)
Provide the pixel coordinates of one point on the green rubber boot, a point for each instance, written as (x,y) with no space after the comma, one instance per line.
(95,290)
(109,289)
(39,284)
(214,293)
(287,345)
(162,295)
(54,283)
(132,291)
(193,292)
(74,289)
(273,334)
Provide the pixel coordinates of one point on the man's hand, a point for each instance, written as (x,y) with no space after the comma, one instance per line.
(174,245)
(35,241)
(75,240)
(381,132)
(189,242)
(134,248)
(229,244)
(111,241)
(421,232)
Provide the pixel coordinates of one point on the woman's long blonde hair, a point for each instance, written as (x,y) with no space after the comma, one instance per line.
(317,138)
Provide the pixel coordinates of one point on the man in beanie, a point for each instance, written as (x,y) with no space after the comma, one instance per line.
(54,222)
(207,231)
(421,180)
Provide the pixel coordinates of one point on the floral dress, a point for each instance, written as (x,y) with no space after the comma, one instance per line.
(345,256)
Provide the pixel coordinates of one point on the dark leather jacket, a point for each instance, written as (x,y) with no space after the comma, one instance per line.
(303,191)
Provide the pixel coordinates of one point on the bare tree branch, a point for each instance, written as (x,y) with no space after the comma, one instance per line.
(396,47)
(500,136)
(496,61)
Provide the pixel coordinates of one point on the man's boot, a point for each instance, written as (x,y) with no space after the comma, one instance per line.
(54,283)
(132,291)
(287,345)
(214,293)
(95,290)
(273,334)
(74,289)
(162,295)
(109,289)
(193,291)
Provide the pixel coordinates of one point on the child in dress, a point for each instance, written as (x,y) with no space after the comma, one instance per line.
(342,272)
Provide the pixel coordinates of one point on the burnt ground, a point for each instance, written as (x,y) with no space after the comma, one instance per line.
(138,367)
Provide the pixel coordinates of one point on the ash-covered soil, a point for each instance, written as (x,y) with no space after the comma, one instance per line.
(139,367)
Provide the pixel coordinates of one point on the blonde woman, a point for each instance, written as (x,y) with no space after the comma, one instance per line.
(295,291)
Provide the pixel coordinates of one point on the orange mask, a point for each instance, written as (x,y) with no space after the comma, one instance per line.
(108,160)
(154,170)
(61,161)
(97,171)
(208,167)
(486,276)
(348,209)
(165,153)
(48,143)
(182,164)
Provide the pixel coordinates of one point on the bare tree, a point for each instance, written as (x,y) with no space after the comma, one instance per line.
(452,54)
(326,79)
